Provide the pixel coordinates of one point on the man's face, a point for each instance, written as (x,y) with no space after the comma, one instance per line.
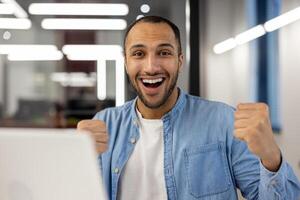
(152,62)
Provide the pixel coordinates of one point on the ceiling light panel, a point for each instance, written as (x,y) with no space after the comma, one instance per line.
(18,10)
(282,20)
(225,46)
(6,9)
(17,48)
(15,23)
(92,52)
(36,56)
(83,24)
(78,9)
(250,34)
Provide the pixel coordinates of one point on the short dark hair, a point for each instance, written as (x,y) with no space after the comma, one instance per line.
(155,19)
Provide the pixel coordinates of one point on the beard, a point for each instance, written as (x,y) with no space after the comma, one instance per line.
(165,97)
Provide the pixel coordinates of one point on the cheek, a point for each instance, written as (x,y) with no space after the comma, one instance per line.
(172,67)
(132,72)
(133,68)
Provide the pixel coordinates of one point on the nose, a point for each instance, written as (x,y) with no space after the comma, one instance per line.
(152,65)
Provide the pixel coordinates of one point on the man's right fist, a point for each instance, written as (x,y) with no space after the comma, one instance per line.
(97,130)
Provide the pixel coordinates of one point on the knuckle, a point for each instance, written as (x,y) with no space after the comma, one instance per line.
(81,124)
(264,106)
(99,122)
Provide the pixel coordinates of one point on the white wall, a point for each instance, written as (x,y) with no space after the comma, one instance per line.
(227,75)
(289,44)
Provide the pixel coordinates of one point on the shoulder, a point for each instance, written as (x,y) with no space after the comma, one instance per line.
(205,105)
(114,112)
(213,112)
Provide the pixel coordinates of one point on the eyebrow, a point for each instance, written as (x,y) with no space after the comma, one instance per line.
(160,45)
(136,46)
(166,45)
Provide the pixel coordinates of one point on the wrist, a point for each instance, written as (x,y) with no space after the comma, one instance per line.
(273,162)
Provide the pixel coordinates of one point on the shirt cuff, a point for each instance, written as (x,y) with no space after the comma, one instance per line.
(273,181)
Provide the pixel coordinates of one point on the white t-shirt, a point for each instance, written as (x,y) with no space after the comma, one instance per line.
(143,175)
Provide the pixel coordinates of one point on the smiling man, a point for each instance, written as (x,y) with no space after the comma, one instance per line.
(153,60)
(167,144)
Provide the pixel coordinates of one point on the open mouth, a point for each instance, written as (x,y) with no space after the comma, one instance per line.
(152,83)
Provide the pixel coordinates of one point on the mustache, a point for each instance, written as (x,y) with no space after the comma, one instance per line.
(150,74)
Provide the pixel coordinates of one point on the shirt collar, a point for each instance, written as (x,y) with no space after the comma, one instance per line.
(176,108)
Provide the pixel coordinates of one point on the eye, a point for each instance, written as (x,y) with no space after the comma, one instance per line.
(138,54)
(165,53)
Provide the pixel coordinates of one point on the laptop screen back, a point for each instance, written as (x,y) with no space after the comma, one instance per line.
(48,165)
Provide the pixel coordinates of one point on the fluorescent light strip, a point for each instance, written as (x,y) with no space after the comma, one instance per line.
(16,48)
(188,31)
(13,23)
(31,52)
(250,34)
(92,52)
(18,10)
(101,79)
(120,82)
(240,39)
(73,79)
(78,9)
(253,33)
(282,20)
(225,46)
(83,24)
(6,9)
(36,56)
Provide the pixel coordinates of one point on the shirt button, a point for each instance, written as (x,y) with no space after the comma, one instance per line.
(135,122)
(116,170)
(132,140)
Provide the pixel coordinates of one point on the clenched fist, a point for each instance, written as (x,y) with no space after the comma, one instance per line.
(97,129)
(252,125)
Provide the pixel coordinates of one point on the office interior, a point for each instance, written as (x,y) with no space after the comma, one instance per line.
(234,51)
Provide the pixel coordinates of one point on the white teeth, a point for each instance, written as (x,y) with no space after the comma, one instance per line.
(152,81)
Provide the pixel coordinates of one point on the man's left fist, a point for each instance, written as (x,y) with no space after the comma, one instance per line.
(252,125)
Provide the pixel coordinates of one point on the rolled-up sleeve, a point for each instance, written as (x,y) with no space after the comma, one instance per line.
(282,184)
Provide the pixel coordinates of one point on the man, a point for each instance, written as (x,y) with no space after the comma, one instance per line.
(166,144)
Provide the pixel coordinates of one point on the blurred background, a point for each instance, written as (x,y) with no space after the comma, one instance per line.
(61,61)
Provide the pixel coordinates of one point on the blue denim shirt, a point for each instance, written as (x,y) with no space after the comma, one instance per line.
(202,159)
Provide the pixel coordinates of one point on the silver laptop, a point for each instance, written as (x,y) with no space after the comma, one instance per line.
(48,165)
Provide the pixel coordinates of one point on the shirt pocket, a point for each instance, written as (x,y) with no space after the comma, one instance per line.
(206,170)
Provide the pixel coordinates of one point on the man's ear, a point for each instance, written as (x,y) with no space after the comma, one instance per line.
(125,65)
(180,61)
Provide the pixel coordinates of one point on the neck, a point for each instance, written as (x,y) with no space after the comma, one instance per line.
(158,113)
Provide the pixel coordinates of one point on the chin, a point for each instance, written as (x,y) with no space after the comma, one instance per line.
(151,103)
